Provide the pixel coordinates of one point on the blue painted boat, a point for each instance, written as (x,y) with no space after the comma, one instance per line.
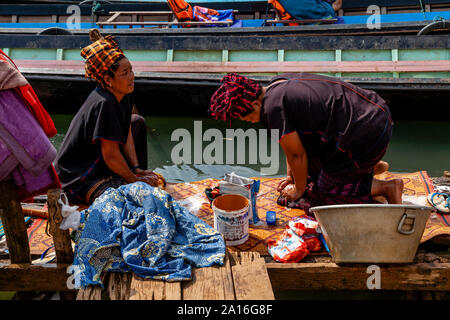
(189,62)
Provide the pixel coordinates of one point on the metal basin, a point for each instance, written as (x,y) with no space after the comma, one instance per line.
(372,233)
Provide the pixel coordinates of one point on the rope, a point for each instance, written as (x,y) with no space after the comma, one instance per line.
(267,11)
(423,10)
(439,18)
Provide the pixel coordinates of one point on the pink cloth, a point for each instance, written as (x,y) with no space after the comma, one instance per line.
(26,153)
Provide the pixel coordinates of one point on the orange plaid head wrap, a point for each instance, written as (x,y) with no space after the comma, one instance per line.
(100,55)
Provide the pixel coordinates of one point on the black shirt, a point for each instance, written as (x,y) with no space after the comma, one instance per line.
(327,113)
(100,117)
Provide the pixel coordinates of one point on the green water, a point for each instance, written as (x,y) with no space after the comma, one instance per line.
(414,146)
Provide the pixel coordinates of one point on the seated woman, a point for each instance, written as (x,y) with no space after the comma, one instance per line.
(333,134)
(105,145)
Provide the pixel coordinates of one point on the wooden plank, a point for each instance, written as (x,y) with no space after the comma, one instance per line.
(61,238)
(142,289)
(251,280)
(305,21)
(93,292)
(329,276)
(30,277)
(113,17)
(13,223)
(254,66)
(142,13)
(211,283)
(90,293)
(159,23)
(119,286)
(229,39)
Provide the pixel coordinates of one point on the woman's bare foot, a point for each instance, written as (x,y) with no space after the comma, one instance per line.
(380,167)
(392,190)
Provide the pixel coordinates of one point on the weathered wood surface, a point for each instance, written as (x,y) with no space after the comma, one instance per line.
(330,276)
(61,238)
(252,67)
(273,38)
(305,21)
(119,286)
(92,292)
(29,277)
(14,224)
(212,283)
(250,277)
(142,289)
(242,277)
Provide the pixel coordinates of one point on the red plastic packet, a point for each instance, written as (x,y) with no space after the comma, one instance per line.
(313,242)
(303,225)
(288,248)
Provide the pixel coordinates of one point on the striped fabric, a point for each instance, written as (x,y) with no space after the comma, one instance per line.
(99,56)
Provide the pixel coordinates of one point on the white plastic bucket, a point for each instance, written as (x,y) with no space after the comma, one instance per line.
(231,213)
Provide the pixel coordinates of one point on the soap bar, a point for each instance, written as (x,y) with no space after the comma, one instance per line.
(271,218)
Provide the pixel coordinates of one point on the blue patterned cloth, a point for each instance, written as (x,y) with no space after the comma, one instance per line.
(142,229)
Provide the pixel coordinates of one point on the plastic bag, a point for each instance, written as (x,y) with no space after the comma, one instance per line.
(303,225)
(249,188)
(312,242)
(288,248)
(71,216)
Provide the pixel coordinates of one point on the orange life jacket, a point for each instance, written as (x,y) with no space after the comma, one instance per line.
(181,9)
(280,9)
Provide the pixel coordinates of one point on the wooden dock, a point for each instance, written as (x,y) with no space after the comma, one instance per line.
(244,275)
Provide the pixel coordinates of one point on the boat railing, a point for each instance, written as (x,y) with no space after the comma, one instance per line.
(172,20)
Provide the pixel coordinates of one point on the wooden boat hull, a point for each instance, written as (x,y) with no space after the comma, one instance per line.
(180,69)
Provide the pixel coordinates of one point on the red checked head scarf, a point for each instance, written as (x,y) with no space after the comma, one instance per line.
(99,56)
(234,97)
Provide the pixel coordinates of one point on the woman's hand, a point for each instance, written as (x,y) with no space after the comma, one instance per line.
(151,179)
(290,193)
(140,172)
(283,183)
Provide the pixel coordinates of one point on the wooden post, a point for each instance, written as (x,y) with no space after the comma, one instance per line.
(14,223)
(61,238)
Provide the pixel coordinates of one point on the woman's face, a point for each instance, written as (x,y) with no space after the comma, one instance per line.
(255,115)
(123,81)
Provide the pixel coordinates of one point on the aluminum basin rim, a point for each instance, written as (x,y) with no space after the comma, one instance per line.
(379,206)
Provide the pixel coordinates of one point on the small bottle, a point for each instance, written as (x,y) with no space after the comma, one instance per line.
(271,218)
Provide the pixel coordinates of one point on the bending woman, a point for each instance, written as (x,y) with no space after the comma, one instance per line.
(99,149)
(333,134)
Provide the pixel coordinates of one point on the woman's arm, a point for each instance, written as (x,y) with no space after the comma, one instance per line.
(115,160)
(288,180)
(130,150)
(297,163)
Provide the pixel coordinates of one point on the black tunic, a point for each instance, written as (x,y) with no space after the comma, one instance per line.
(338,123)
(101,117)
